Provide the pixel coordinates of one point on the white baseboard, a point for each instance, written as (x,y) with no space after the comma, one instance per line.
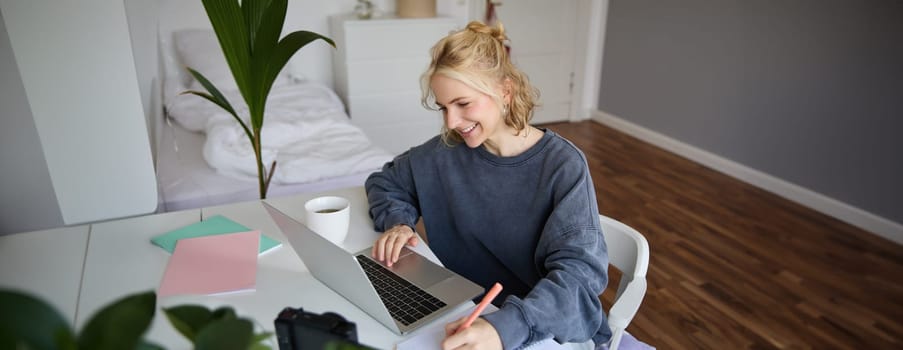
(829,206)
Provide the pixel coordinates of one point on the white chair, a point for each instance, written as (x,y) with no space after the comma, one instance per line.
(628,251)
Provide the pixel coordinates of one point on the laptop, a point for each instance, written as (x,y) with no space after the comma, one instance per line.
(410,294)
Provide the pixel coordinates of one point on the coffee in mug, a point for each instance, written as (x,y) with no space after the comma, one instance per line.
(329,216)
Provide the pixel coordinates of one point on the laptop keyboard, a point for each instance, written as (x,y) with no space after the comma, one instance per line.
(406,302)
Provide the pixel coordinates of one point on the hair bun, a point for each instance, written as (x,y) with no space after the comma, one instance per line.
(497,32)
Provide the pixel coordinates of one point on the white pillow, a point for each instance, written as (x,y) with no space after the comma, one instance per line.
(200,50)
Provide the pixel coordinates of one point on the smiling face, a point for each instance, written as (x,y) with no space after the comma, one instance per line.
(484,98)
(473,115)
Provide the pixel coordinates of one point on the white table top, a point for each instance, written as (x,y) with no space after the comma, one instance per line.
(313,295)
(81,269)
(47,264)
(121,260)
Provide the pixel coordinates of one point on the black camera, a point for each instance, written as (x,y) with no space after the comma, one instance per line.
(297,329)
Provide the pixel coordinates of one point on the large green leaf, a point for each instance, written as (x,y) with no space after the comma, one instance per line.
(287,47)
(228,22)
(231,334)
(262,48)
(258,339)
(253,11)
(29,321)
(217,98)
(146,345)
(65,340)
(258,346)
(268,30)
(188,319)
(224,313)
(119,325)
(277,60)
(344,345)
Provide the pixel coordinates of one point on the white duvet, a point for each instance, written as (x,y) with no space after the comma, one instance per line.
(305,130)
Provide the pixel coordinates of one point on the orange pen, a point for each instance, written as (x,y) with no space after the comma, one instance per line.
(493,292)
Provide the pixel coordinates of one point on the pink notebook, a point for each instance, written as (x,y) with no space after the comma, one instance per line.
(212,265)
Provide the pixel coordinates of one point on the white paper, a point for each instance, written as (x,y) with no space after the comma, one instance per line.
(430,336)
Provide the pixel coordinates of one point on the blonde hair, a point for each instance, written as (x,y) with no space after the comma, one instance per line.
(477,57)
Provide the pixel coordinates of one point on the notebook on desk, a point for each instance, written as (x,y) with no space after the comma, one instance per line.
(214,225)
(410,294)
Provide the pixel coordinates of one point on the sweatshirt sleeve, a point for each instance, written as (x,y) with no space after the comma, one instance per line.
(573,260)
(391,194)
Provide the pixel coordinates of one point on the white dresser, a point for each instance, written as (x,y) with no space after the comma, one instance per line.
(377,67)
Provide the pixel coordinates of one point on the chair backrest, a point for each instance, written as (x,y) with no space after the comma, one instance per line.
(627,248)
(628,251)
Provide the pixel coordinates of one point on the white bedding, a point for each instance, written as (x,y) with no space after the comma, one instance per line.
(305,130)
(186,181)
(204,157)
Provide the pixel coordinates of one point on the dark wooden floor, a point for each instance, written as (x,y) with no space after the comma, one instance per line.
(736,267)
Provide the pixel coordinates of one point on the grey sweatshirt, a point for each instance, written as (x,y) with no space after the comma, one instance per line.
(529,222)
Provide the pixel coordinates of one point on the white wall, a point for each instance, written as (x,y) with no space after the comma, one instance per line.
(315,60)
(142,21)
(78,73)
(27,197)
(80,90)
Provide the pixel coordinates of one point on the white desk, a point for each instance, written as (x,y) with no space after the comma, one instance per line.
(81,269)
(121,260)
(47,264)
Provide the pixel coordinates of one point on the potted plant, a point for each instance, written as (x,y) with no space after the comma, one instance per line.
(30,323)
(248,32)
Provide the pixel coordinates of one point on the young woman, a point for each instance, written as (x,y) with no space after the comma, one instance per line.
(513,204)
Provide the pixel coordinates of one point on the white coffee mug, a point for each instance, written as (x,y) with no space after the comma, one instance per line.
(329,216)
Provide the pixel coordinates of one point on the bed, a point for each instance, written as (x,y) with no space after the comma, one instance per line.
(203,157)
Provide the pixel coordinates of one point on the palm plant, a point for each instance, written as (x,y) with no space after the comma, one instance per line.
(248,32)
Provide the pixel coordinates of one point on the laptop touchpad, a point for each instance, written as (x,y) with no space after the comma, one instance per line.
(419,270)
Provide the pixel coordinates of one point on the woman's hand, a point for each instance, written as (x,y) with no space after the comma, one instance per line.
(480,335)
(388,247)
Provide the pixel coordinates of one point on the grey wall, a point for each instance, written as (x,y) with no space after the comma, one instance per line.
(809,91)
(26,194)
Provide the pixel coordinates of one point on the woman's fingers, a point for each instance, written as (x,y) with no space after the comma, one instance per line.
(388,247)
(379,247)
(480,335)
(400,238)
(399,244)
(451,328)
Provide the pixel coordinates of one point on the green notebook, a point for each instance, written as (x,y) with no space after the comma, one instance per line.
(212,226)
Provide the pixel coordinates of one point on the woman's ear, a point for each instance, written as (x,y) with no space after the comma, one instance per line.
(507,90)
